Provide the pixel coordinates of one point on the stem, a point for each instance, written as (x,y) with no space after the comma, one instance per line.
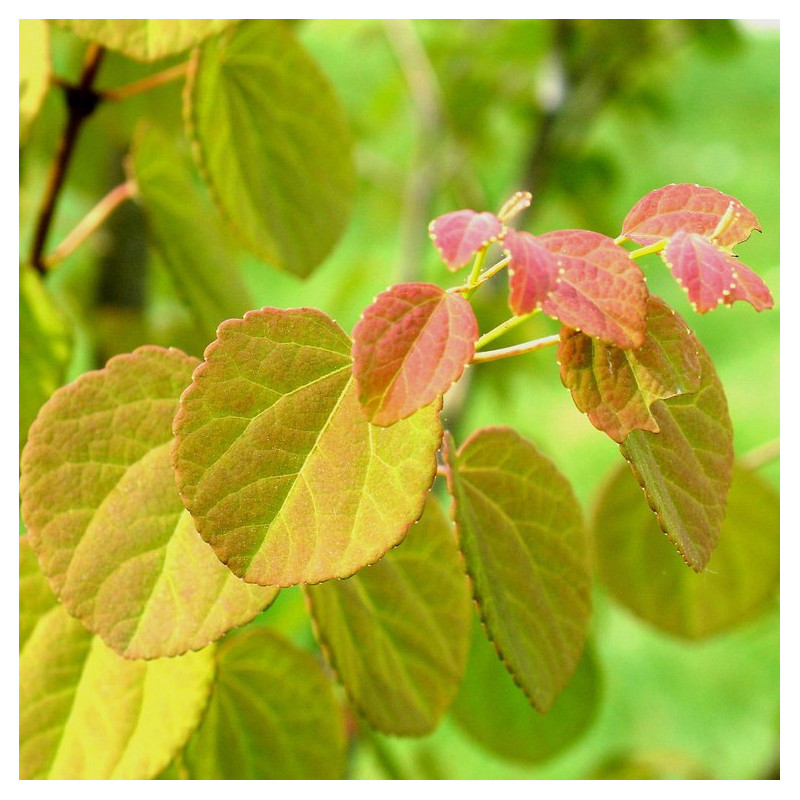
(769,451)
(516,349)
(474,276)
(90,223)
(81,102)
(724,222)
(468,288)
(150,82)
(656,247)
(508,325)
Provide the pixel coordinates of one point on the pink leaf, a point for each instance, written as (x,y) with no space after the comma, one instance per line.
(710,276)
(531,271)
(409,347)
(459,235)
(599,290)
(691,208)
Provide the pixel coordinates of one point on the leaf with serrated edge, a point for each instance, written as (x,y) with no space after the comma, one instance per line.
(638,565)
(599,289)
(88,714)
(107,523)
(273,143)
(690,208)
(522,535)
(282,473)
(459,235)
(273,715)
(532,271)
(615,388)
(397,633)
(711,276)
(409,347)
(685,469)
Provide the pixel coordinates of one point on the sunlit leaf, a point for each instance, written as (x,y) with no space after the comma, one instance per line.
(272,716)
(282,473)
(397,632)
(459,235)
(615,388)
(409,347)
(273,142)
(107,523)
(35,595)
(494,712)
(690,208)
(685,469)
(34,70)
(521,531)
(145,39)
(638,564)
(532,271)
(599,290)
(88,714)
(711,276)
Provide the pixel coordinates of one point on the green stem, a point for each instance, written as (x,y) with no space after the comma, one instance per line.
(150,82)
(656,247)
(502,328)
(469,288)
(477,266)
(516,349)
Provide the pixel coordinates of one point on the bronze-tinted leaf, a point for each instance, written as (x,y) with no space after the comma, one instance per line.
(532,271)
(459,235)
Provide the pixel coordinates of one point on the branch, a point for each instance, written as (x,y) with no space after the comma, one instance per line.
(150,82)
(516,349)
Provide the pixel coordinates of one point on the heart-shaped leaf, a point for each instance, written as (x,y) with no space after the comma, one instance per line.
(459,235)
(615,388)
(599,290)
(107,523)
(283,475)
(710,276)
(532,271)
(397,633)
(685,469)
(409,347)
(273,142)
(521,531)
(690,208)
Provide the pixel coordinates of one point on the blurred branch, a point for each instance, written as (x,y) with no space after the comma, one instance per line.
(769,451)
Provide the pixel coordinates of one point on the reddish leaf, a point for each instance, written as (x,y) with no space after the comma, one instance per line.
(531,271)
(688,207)
(711,276)
(409,347)
(599,290)
(459,235)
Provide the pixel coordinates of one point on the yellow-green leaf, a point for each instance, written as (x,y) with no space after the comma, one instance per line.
(105,518)
(397,632)
(283,475)
(34,70)
(88,714)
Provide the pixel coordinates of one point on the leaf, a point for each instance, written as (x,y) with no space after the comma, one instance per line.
(496,715)
(615,388)
(689,208)
(273,143)
(460,235)
(273,715)
(45,348)
(145,39)
(34,71)
(36,597)
(685,469)
(106,520)
(397,633)
(532,271)
(185,228)
(599,289)
(521,532)
(638,566)
(86,713)
(283,475)
(409,347)
(711,276)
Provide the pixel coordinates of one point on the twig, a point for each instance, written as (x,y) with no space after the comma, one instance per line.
(769,451)
(516,349)
(150,82)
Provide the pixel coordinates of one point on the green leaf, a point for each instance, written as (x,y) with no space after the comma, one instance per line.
(522,535)
(283,475)
(273,142)
(36,596)
(493,711)
(34,71)
(86,713)
(186,229)
(273,715)
(615,388)
(45,348)
(638,566)
(685,469)
(145,39)
(397,632)
(106,520)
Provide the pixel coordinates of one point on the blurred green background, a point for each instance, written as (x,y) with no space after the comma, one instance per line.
(589,115)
